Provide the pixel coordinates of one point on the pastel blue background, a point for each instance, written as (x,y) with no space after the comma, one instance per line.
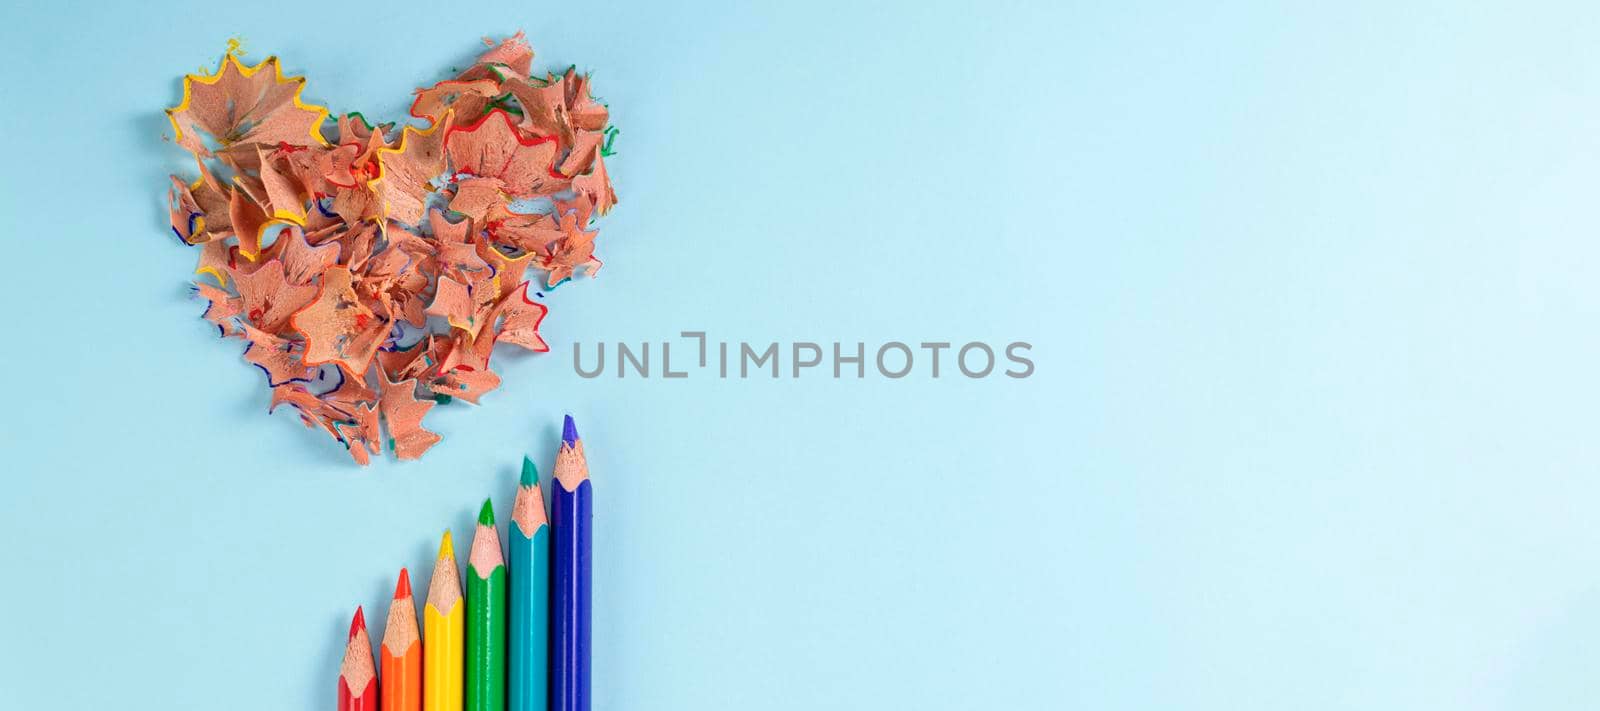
(1313,292)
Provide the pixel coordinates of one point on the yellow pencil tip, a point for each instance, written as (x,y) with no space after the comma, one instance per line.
(446,548)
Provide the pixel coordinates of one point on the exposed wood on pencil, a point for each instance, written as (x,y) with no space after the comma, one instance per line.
(400,631)
(572,468)
(485,555)
(358,680)
(527,512)
(444,590)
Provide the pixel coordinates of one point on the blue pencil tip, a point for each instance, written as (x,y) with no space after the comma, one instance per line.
(569,432)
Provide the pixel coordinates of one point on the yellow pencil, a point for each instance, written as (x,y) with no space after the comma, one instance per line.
(443,634)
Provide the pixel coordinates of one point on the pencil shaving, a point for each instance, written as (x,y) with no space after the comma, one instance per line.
(372,269)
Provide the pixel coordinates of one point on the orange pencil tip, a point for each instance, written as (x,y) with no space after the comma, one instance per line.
(402,588)
(357,623)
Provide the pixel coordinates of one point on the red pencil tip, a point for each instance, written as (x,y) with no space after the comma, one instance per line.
(358,623)
(402,588)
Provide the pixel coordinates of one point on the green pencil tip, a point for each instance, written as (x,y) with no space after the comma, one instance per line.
(530,473)
(486,516)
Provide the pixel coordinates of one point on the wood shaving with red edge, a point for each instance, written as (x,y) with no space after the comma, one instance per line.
(371,269)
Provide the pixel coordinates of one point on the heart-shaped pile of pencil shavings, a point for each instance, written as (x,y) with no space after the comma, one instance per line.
(372,269)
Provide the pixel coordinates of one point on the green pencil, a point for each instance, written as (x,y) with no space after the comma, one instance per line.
(486,618)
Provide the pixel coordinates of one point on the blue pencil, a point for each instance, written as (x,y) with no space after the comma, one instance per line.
(571,515)
(528,658)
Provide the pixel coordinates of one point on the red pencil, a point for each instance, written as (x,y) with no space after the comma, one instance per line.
(358,681)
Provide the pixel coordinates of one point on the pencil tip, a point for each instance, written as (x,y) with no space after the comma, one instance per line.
(446,548)
(569,432)
(486,514)
(530,473)
(357,623)
(402,587)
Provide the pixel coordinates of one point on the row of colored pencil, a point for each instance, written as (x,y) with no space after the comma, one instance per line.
(518,640)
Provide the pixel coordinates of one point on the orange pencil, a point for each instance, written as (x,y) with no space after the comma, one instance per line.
(401,651)
(358,681)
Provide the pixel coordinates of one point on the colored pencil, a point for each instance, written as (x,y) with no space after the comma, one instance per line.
(486,617)
(529,577)
(358,681)
(400,655)
(443,621)
(571,514)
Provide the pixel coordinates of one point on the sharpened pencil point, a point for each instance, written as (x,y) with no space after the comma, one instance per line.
(569,432)
(486,514)
(357,623)
(530,473)
(402,587)
(446,548)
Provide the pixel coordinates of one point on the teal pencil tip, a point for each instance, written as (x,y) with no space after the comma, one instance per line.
(486,516)
(530,473)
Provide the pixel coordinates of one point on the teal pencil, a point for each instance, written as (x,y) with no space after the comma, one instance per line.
(529,568)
